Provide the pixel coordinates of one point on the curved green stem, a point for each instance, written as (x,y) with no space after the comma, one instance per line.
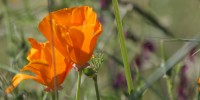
(78,85)
(96,87)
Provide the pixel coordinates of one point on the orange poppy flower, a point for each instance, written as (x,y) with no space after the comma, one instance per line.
(75,31)
(40,57)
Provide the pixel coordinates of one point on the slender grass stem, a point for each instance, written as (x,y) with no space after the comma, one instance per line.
(45,96)
(96,87)
(123,47)
(53,96)
(165,77)
(53,50)
(78,85)
(198,98)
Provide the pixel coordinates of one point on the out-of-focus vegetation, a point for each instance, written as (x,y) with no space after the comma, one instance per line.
(154,30)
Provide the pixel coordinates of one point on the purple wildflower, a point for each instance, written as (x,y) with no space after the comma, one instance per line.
(147,48)
(182,87)
(103,4)
(119,81)
(148,45)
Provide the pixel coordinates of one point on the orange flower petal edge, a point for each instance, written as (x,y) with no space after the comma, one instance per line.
(75,30)
(16,80)
(41,65)
(198,82)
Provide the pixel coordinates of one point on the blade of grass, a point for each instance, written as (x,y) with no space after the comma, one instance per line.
(123,47)
(172,61)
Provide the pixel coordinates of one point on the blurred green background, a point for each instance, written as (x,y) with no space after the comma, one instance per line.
(146,23)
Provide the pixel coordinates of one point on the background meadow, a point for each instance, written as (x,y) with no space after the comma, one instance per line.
(161,37)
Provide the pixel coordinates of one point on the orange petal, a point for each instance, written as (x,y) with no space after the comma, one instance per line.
(198,81)
(34,43)
(76,53)
(35,52)
(90,16)
(45,29)
(36,66)
(93,41)
(98,28)
(76,37)
(41,69)
(72,41)
(69,16)
(16,80)
(39,51)
(75,32)
(63,73)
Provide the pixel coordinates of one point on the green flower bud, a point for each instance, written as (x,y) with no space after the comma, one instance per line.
(90,72)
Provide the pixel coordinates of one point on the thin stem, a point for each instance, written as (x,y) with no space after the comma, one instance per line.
(78,85)
(53,96)
(123,47)
(162,53)
(45,96)
(198,91)
(165,77)
(198,95)
(96,87)
(53,50)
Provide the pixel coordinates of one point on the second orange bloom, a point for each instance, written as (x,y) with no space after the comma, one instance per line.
(40,63)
